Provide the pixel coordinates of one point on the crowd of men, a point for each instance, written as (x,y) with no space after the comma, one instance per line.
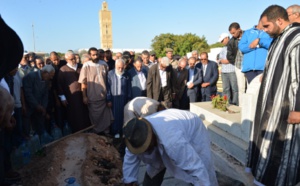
(93,89)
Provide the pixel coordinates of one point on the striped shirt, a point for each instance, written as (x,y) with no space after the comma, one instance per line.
(239,59)
(226,68)
(274,151)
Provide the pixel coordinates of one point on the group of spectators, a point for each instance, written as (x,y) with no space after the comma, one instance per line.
(93,89)
(268,53)
(107,84)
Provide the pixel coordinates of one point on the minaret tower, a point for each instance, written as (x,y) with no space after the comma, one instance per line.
(105,27)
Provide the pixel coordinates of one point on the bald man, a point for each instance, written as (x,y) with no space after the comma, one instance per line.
(293,12)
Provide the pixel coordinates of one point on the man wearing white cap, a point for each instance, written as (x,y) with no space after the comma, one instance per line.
(229,80)
(171,139)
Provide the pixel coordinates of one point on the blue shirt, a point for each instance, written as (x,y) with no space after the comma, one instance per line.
(191,75)
(254,58)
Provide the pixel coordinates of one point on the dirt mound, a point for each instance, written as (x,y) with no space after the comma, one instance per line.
(90,158)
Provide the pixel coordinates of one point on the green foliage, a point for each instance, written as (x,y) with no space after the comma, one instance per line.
(82,52)
(216,45)
(61,54)
(181,44)
(220,102)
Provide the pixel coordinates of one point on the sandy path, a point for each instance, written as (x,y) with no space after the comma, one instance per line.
(75,154)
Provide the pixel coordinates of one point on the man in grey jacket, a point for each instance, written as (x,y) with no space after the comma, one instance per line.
(36,85)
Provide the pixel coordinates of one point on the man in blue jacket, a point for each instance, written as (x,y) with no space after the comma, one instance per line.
(254,44)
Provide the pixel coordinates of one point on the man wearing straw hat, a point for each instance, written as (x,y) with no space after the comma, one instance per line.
(171,139)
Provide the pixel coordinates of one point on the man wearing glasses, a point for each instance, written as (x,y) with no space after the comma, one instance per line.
(69,91)
(210,77)
(293,12)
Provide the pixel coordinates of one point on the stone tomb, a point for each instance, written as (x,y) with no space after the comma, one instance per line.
(230,133)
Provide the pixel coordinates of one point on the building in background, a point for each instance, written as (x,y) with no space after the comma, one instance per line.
(105,27)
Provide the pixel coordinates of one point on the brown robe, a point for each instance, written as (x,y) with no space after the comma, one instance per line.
(95,76)
(77,112)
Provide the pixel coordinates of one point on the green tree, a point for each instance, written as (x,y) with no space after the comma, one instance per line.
(61,54)
(181,44)
(216,45)
(161,42)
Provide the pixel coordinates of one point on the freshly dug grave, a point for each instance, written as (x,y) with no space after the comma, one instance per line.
(88,157)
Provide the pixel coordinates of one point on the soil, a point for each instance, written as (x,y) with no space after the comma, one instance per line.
(90,158)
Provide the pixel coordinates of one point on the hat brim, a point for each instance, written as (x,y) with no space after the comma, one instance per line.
(11,49)
(145,146)
(220,40)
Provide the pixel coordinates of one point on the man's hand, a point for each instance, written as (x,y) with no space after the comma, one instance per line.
(294,117)
(57,102)
(109,104)
(260,78)
(254,43)
(204,85)
(173,95)
(224,61)
(191,85)
(10,124)
(41,109)
(85,100)
(6,109)
(64,103)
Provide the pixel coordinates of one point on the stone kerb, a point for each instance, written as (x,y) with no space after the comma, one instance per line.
(225,129)
(249,105)
(230,123)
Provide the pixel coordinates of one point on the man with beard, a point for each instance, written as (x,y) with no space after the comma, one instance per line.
(274,152)
(93,77)
(69,91)
(118,94)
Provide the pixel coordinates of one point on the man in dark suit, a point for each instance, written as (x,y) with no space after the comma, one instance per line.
(194,80)
(159,85)
(179,83)
(138,76)
(36,85)
(210,77)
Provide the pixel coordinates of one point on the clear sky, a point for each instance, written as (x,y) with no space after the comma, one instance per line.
(60,25)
